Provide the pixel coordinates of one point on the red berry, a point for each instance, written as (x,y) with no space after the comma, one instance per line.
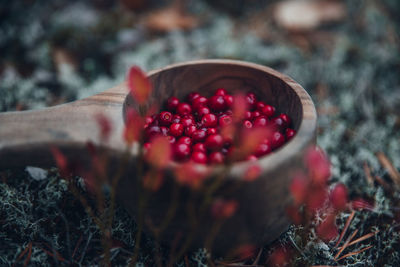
(220,91)
(199,147)
(192,96)
(277,140)
(214,142)
(216,103)
(148,120)
(203,111)
(251,99)
(289,133)
(285,119)
(181,151)
(259,105)
(164,130)
(146,146)
(199,157)
(247,124)
(262,149)
(255,114)
(176,129)
(185,140)
(247,115)
(199,102)
(187,121)
(184,109)
(211,131)
(176,118)
(251,157)
(209,120)
(165,118)
(216,157)
(228,100)
(171,139)
(198,136)
(225,120)
(190,130)
(268,110)
(278,123)
(152,131)
(172,103)
(260,121)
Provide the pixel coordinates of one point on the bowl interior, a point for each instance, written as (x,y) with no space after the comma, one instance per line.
(180,80)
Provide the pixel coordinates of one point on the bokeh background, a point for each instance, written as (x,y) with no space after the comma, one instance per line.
(346,54)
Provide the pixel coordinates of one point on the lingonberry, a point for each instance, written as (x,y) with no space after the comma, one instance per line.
(181,151)
(165,118)
(255,114)
(247,124)
(285,119)
(184,109)
(172,103)
(199,147)
(185,140)
(259,105)
(148,120)
(211,131)
(216,103)
(260,121)
(209,120)
(192,96)
(199,136)
(176,118)
(216,157)
(220,91)
(214,142)
(171,139)
(251,157)
(199,102)
(225,120)
(202,111)
(164,130)
(247,115)
(289,133)
(277,140)
(199,157)
(262,149)
(278,123)
(228,100)
(190,130)
(152,131)
(251,99)
(187,121)
(176,129)
(268,110)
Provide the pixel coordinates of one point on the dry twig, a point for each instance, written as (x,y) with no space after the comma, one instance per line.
(345,244)
(346,226)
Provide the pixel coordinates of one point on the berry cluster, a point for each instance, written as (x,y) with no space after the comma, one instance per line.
(194,127)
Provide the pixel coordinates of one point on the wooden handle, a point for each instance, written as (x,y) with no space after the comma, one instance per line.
(25,137)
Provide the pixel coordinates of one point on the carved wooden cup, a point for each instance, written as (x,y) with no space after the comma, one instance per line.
(25,138)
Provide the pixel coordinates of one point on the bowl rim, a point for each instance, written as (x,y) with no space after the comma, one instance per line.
(305,134)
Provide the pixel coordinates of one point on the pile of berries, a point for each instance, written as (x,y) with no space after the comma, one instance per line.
(194,127)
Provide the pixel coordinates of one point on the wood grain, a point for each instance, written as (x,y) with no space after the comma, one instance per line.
(25,138)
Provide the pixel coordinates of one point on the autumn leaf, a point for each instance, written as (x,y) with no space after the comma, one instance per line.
(139,85)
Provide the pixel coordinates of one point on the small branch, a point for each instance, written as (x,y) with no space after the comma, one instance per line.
(354,253)
(387,164)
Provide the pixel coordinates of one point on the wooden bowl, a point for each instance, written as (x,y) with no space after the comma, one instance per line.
(25,138)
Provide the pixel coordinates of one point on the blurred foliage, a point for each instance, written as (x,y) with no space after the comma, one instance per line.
(64,50)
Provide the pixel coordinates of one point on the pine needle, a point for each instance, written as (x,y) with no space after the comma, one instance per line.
(367,171)
(346,226)
(354,253)
(387,164)
(362,238)
(346,244)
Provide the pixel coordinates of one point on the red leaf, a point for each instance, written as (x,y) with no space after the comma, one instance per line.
(191,174)
(61,161)
(153,180)
(318,165)
(222,209)
(239,107)
(316,198)
(139,85)
(159,153)
(280,257)
(294,214)
(252,173)
(361,204)
(298,188)
(133,126)
(327,230)
(104,124)
(338,197)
